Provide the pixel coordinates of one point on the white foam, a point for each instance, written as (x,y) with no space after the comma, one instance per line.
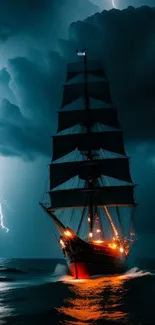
(60,274)
(135,272)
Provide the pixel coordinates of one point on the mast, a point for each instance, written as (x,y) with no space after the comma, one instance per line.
(89,154)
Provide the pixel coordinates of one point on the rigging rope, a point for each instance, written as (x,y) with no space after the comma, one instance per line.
(81,220)
(120,221)
(101,221)
(131,227)
(111,221)
(46,187)
(71,217)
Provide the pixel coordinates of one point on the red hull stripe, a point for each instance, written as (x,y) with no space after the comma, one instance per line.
(79,270)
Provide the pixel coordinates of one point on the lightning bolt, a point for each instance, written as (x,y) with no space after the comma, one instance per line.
(1,220)
(113,4)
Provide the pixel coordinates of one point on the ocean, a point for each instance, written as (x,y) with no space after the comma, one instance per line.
(39,291)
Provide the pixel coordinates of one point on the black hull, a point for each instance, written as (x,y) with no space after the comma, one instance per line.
(85,260)
(85,269)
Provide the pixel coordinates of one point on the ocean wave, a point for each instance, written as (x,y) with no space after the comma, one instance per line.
(136,272)
(12,270)
(61,274)
(6,279)
(37,270)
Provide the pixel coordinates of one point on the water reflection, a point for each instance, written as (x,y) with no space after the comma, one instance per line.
(95,300)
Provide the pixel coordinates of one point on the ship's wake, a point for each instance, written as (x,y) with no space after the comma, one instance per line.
(135,272)
(61,274)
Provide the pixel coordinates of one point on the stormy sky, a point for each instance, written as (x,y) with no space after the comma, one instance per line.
(37,38)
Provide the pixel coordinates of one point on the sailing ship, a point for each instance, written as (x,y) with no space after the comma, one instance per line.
(88,154)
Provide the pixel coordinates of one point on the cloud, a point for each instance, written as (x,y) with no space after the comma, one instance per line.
(25,129)
(135,3)
(31,82)
(121,4)
(37,87)
(19,136)
(5,91)
(124,42)
(35,18)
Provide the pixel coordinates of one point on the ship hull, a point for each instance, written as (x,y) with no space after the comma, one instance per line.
(86,270)
(85,260)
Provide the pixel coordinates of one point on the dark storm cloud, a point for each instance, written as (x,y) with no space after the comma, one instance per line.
(124,42)
(39,16)
(5,90)
(33,83)
(136,3)
(120,4)
(25,130)
(19,136)
(15,15)
(37,87)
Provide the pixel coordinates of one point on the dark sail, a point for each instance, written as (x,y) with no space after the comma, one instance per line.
(108,195)
(64,144)
(93,67)
(117,168)
(106,116)
(98,90)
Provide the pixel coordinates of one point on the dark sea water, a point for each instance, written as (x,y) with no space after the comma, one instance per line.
(39,292)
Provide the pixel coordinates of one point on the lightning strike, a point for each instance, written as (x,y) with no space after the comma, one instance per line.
(113,4)
(1,220)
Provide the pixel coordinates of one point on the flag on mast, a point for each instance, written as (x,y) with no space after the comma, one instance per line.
(81,53)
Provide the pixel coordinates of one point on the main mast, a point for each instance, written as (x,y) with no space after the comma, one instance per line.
(90,183)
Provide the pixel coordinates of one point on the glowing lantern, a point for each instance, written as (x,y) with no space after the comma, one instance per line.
(90,234)
(62,243)
(67,233)
(113,246)
(98,241)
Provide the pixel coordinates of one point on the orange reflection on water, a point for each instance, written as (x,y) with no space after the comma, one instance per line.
(94,300)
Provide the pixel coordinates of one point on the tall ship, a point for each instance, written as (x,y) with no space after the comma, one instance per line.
(91,191)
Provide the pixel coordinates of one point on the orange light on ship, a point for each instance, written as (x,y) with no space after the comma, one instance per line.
(90,234)
(113,246)
(88,219)
(98,230)
(98,241)
(121,249)
(68,233)
(62,243)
